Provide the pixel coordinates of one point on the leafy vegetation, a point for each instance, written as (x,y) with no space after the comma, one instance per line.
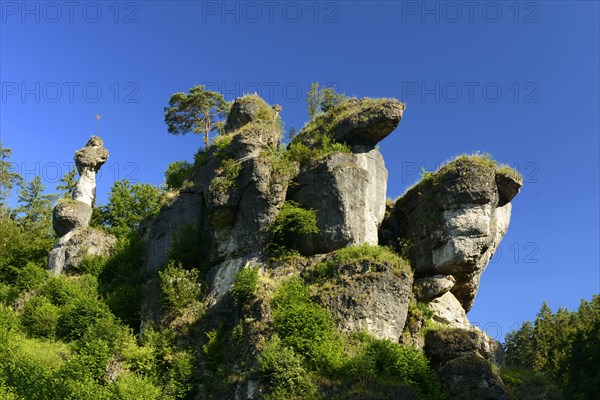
(291,221)
(228,175)
(199,111)
(177,174)
(244,286)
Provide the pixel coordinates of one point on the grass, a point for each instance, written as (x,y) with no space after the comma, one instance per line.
(46,353)
(482,159)
(324,123)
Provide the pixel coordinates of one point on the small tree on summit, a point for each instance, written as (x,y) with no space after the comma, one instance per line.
(199,111)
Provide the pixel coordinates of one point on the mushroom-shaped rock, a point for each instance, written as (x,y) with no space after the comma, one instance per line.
(362,122)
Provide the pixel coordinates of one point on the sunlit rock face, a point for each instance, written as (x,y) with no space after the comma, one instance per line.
(71,217)
(452,223)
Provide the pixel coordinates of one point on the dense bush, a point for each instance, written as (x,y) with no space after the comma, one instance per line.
(284,372)
(40,317)
(79,316)
(177,174)
(180,287)
(30,277)
(244,286)
(292,220)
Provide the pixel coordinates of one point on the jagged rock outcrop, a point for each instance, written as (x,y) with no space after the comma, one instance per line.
(464,361)
(159,234)
(348,190)
(369,297)
(70,218)
(453,221)
(78,244)
(447,226)
(429,288)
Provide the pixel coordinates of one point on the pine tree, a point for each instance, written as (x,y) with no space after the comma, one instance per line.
(36,205)
(67,183)
(8,177)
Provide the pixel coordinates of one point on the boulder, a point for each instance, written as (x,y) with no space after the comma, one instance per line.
(446,344)
(76,245)
(69,215)
(369,297)
(362,122)
(248,109)
(426,289)
(453,221)
(348,191)
(472,378)
(448,311)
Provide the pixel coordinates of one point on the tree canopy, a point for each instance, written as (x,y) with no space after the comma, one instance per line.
(199,111)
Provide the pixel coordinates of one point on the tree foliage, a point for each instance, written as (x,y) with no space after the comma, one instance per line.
(128,204)
(8,177)
(199,111)
(67,183)
(563,345)
(321,99)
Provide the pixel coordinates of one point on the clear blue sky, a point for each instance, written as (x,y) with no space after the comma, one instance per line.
(518,80)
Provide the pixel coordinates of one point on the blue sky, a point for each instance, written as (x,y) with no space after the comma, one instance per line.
(517,79)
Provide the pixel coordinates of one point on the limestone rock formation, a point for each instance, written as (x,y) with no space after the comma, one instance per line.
(369,297)
(453,222)
(447,227)
(362,122)
(429,288)
(159,234)
(348,191)
(70,218)
(464,361)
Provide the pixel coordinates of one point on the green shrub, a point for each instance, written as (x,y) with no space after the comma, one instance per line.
(244,286)
(30,277)
(136,387)
(62,289)
(79,316)
(9,321)
(323,146)
(305,326)
(291,221)
(284,372)
(180,287)
(91,265)
(177,173)
(40,317)
(8,294)
(227,178)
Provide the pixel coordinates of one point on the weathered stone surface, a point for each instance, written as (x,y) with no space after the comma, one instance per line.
(448,311)
(160,233)
(77,244)
(369,297)
(69,215)
(453,222)
(348,191)
(247,109)
(443,345)
(426,289)
(471,378)
(362,122)
(225,272)
(88,161)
